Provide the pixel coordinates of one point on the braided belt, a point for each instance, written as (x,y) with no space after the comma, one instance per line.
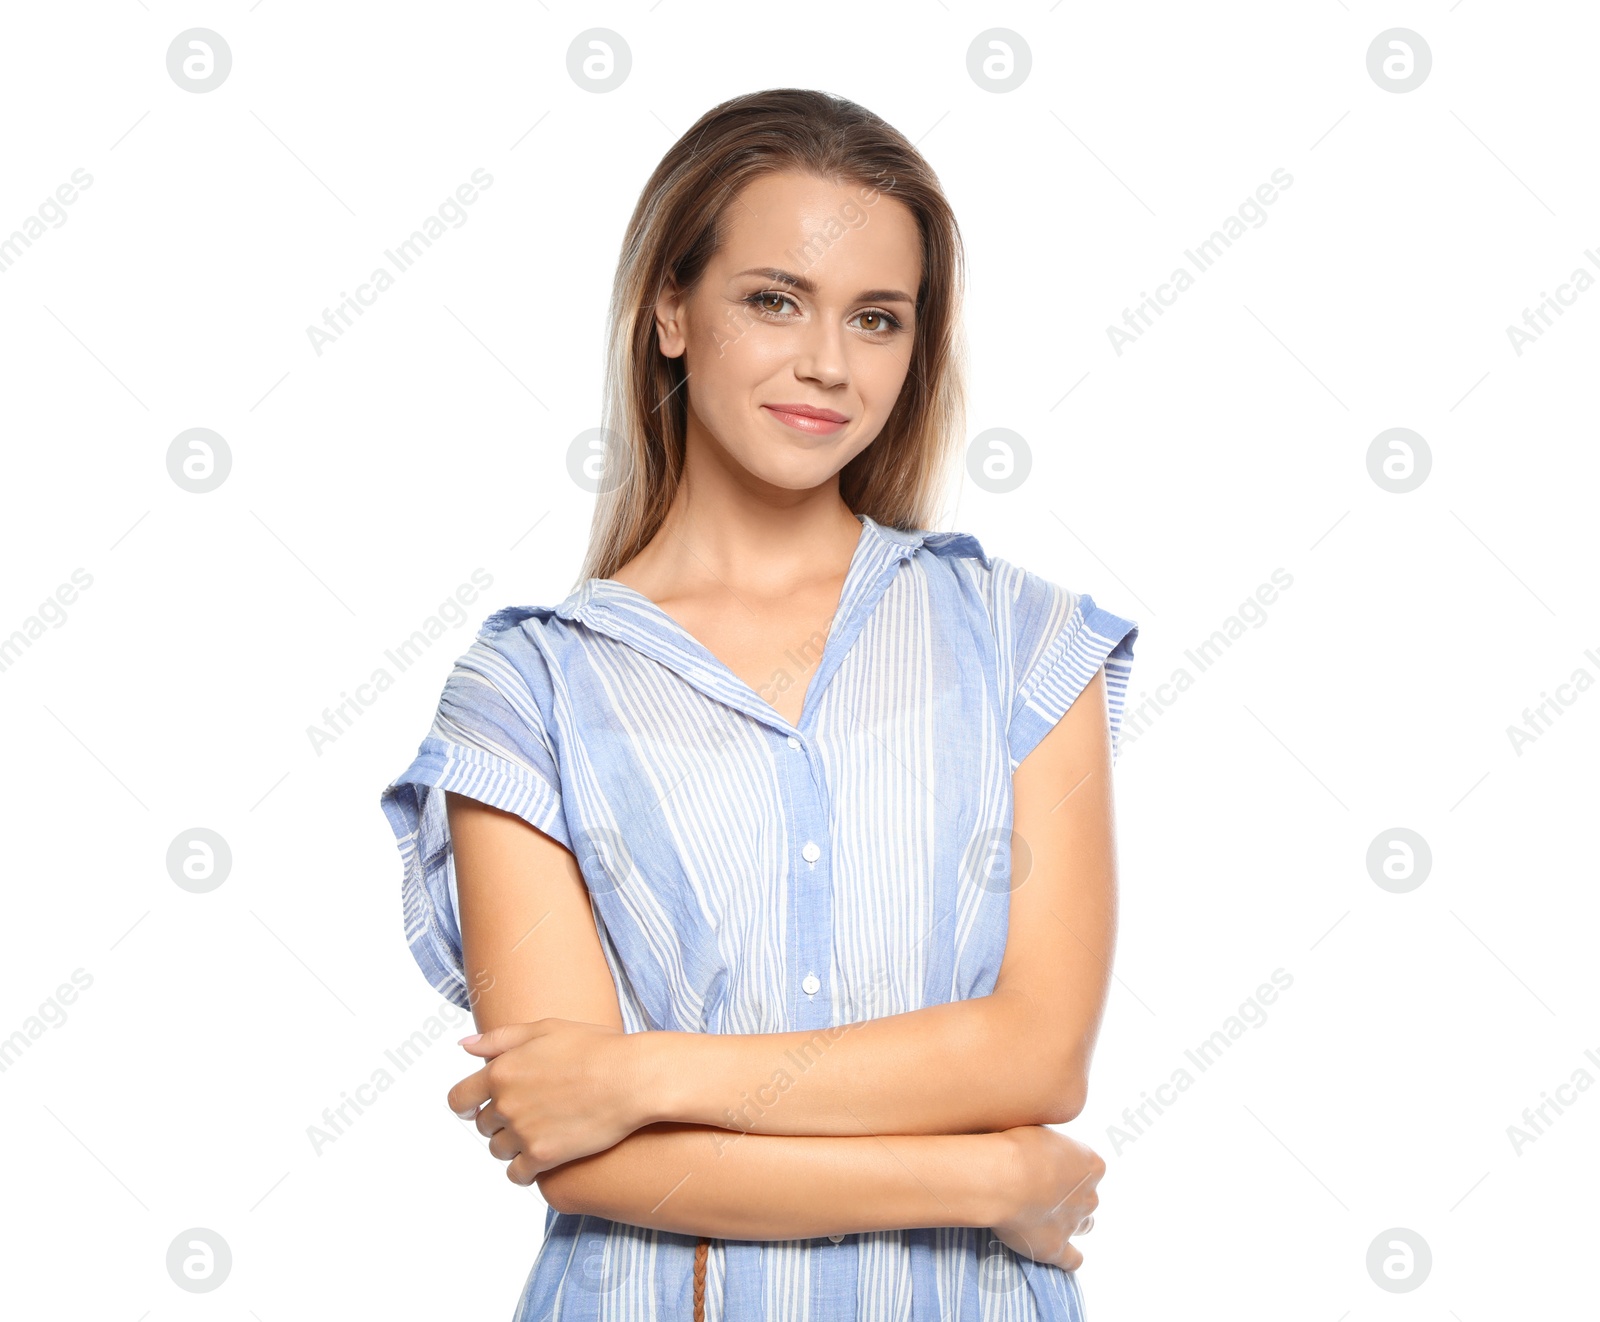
(700,1279)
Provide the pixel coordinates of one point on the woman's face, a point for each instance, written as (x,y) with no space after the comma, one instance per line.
(810,302)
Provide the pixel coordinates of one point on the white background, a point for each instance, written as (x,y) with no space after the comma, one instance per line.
(1169,482)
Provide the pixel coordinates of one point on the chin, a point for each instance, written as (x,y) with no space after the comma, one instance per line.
(802,475)
(795,463)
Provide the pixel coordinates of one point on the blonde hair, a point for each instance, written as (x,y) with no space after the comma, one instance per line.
(676,228)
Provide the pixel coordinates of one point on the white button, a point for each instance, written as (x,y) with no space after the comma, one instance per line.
(811,982)
(835,1238)
(793,742)
(810,852)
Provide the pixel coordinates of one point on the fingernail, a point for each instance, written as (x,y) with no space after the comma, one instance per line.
(461,1042)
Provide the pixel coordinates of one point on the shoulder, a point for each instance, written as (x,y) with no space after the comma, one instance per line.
(509,618)
(1036,616)
(1048,640)
(517,650)
(1011,596)
(545,630)
(1036,622)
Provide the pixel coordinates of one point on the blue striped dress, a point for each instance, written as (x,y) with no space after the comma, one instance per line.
(747,875)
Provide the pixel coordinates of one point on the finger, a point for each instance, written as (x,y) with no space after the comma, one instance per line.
(1071,1259)
(496,1040)
(504,1145)
(490,1121)
(469,1094)
(524,1170)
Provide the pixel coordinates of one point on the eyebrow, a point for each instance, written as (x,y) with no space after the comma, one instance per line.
(807,287)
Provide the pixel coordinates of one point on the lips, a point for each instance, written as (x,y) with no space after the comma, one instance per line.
(807,418)
(809,411)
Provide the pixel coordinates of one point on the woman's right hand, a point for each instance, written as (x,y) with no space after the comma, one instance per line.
(1048,1191)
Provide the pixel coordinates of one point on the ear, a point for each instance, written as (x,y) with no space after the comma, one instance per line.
(669,314)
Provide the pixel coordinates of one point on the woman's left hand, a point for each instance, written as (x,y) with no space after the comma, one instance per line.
(551,1091)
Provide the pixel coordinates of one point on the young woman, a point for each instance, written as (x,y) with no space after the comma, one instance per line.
(776,862)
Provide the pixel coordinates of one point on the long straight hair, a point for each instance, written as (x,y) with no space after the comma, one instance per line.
(675,230)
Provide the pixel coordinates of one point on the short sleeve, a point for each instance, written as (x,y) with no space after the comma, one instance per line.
(1055,640)
(489,741)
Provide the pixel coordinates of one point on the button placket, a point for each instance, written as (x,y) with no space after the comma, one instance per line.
(811,883)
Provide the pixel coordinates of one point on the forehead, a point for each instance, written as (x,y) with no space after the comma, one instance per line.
(844,234)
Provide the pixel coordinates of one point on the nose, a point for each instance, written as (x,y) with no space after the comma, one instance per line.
(820,355)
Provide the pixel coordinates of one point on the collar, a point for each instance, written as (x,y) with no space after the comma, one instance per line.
(628,616)
(881,545)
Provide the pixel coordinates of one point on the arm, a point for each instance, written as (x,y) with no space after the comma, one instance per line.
(1019,1056)
(531,948)
(695,1180)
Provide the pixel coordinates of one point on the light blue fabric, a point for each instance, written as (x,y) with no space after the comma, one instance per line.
(752,876)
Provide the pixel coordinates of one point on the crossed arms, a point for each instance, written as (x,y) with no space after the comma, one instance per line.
(892,1125)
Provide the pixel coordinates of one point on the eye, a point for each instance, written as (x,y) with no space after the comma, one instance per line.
(891,322)
(887,323)
(758,300)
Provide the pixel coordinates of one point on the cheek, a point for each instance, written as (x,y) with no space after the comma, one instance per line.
(880,376)
(734,355)
(754,352)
